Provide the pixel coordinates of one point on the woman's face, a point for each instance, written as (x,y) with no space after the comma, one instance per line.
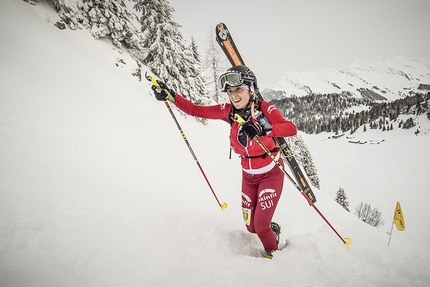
(239,96)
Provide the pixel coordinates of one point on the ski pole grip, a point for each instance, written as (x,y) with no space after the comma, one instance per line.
(153,81)
(239,119)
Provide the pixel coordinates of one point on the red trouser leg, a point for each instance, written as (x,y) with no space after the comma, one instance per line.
(260,196)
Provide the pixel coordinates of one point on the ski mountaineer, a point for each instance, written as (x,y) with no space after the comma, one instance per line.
(262,180)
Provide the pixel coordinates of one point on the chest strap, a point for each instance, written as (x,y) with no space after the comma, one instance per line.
(276,149)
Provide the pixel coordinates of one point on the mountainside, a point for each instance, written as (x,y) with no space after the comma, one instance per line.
(383,78)
(97,187)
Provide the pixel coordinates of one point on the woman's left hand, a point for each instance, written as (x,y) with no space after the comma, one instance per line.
(252,129)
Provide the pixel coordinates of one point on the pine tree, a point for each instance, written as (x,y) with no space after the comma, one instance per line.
(342,199)
(195,84)
(214,65)
(409,123)
(111,18)
(167,54)
(104,19)
(162,41)
(304,157)
(70,14)
(198,82)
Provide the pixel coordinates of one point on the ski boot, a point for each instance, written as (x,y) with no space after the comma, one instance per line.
(277,230)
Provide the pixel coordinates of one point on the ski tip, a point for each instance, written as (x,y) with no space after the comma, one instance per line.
(222,33)
(220,26)
(223,206)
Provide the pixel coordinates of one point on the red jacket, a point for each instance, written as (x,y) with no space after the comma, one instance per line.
(281,127)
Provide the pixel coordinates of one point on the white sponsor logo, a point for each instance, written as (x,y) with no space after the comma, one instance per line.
(271,108)
(246,200)
(265,198)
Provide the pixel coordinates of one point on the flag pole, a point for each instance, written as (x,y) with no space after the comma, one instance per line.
(391,233)
(398,220)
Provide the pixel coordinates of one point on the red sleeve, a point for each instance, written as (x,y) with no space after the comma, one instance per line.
(215,112)
(281,127)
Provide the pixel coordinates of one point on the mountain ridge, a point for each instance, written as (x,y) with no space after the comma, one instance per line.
(384,78)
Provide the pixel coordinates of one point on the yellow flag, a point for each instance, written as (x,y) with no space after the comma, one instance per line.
(398,218)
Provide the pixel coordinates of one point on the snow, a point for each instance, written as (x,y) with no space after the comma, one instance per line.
(92,193)
(390,77)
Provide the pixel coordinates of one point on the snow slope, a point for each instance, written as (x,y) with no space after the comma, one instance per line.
(92,194)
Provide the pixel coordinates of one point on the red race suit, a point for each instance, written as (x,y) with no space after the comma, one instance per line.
(262,180)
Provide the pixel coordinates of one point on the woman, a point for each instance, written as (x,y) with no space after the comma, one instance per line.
(262,180)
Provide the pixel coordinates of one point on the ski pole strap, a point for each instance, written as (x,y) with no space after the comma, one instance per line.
(239,119)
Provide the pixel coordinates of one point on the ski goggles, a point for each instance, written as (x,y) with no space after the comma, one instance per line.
(233,79)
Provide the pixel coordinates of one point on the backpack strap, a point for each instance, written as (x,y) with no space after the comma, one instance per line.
(246,112)
(276,149)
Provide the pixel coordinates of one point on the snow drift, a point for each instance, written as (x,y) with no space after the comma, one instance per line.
(98,189)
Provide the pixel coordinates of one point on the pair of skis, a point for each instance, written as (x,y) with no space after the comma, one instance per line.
(225,41)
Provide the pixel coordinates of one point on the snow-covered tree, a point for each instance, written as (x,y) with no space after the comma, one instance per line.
(409,123)
(342,199)
(214,65)
(104,19)
(162,40)
(371,216)
(304,157)
(167,54)
(197,79)
(68,11)
(111,18)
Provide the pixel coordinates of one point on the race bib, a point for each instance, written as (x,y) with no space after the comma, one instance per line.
(246,212)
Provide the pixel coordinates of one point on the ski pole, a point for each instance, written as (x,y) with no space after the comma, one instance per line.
(346,241)
(155,83)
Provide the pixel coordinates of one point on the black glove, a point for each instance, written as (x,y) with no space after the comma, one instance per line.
(163,93)
(252,129)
